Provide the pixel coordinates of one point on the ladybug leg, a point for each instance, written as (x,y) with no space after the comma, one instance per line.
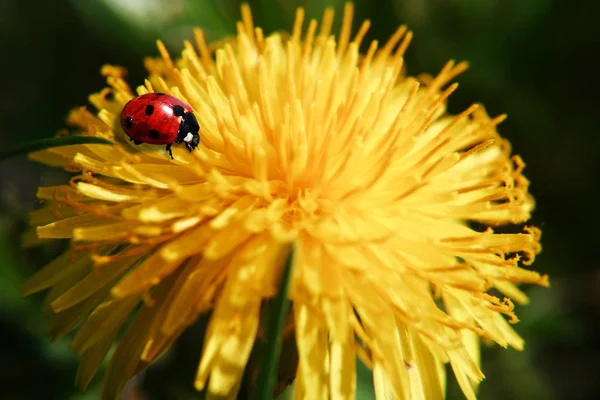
(137,142)
(169,150)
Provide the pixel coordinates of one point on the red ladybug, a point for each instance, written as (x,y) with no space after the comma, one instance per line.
(157,118)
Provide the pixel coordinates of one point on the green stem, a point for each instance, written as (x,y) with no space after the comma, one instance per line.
(276,316)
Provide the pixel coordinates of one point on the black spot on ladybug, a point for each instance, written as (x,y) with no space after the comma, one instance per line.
(149,109)
(154,134)
(178,111)
(128,122)
(109,96)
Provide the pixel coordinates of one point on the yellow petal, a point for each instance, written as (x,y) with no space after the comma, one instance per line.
(162,334)
(124,362)
(163,209)
(64,229)
(511,291)
(343,370)
(184,176)
(50,158)
(47,215)
(431,371)
(66,264)
(234,323)
(384,389)
(108,317)
(235,346)
(92,283)
(100,232)
(100,193)
(311,337)
(30,239)
(58,193)
(197,292)
(187,244)
(226,240)
(64,321)
(148,273)
(92,359)
(389,360)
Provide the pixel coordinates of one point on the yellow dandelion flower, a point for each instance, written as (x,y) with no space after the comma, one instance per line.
(389,202)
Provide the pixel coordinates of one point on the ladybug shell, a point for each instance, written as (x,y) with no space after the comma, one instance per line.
(153,118)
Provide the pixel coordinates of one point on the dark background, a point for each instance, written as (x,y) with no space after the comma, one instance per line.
(533,59)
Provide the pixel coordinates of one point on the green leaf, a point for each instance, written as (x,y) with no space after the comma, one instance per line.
(43,144)
(277,312)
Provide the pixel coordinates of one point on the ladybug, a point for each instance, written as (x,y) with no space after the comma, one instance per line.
(158,118)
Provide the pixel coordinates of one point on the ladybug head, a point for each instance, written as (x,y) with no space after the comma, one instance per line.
(188,131)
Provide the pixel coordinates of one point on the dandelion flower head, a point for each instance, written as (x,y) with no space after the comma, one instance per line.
(392,205)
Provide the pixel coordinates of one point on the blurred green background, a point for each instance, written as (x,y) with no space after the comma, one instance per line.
(533,59)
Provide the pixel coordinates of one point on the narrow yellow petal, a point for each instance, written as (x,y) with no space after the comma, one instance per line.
(315,274)
(163,173)
(508,333)
(30,239)
(196,293)
(58,193)
(61,267)
(49,214)
(50,158)
(343,370)
(464,382)
(107,317)
(163,209)
(226,240)
(187,244)
(389,362)
(64,229)
(512,291)
(102,232)
(92,283)
(311,337)
(163,332)
(234,323)
(100,193)
(124,362)
(148,273)
(431,371)
(64,321)
(91,360)
(228,366)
